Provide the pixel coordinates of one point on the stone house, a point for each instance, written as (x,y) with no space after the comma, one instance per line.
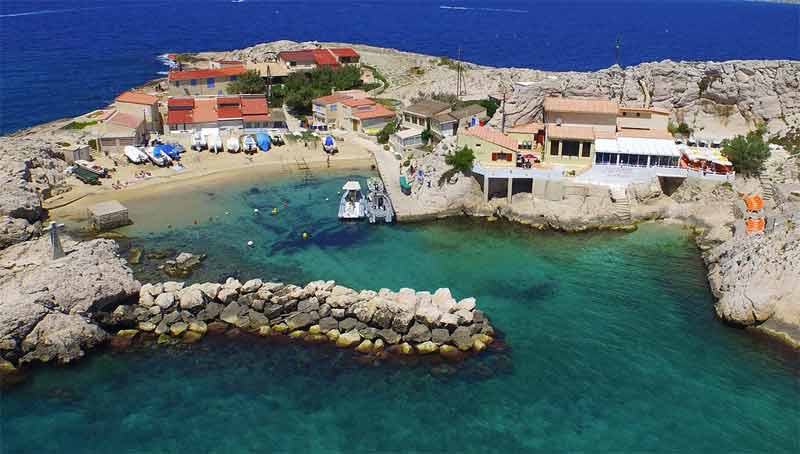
(198,82)
(420,115)
(139,103)
(120,130)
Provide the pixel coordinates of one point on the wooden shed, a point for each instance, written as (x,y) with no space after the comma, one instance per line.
(108,215)
(74,153)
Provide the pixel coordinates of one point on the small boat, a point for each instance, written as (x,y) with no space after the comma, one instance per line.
(169,150)
(379,206)
(329,144)
(198,141)
(98,170)
(249,144)
(353,205)
(134,154)
(214,143)
(232,145)
(264,141)
(157,156)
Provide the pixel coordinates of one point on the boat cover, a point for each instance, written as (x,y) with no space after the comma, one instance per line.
(352,186)
(329,142)
(404,183)
(263,141)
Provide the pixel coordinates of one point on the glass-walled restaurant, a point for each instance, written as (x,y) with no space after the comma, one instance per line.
(636,152)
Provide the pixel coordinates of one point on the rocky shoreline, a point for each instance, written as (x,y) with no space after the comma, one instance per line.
(375,323)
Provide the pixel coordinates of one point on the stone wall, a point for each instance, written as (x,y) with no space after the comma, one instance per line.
(402,322)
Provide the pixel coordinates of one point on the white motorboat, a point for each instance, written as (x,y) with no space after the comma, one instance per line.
(198,141)
(214,143)
(353,205)
(135,155)
(232,145)
(158,157)
(249,144)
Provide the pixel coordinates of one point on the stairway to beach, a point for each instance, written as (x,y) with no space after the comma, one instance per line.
(622,207)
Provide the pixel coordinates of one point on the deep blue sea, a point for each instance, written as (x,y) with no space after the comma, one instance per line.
(62,58)
(613,346)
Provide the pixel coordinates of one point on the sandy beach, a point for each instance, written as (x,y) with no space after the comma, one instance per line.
(204,170)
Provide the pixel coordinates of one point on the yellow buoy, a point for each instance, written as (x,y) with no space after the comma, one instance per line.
(274,211)
(305,235)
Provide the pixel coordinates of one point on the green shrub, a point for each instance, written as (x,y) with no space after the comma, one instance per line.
(250,82)
(682,128)
(93,144)
(426,135)
(387,131)
(80,124)
(461,160)
(747,153)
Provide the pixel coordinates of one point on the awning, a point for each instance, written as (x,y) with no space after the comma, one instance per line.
(351,186)
(651,147)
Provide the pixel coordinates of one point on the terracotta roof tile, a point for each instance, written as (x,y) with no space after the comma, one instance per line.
(137,97)
(492,136)
(581,105)
(330,99)
(377,111)
(207,73)
(126,120)
(345,52)
(528,128)
(570,132)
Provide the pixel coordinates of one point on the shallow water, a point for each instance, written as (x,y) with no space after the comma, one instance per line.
(614,347)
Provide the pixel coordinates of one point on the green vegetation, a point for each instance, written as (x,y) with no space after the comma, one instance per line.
(93,143)
(388,130)
(186,58)
(490,106)
(277,95)
(416,71)
(790,141)
(461,160)
(63,144)
(377,75)
(301,89)
(747,153)
(447,61)
(680,129)
(426,135)
(250,82)
(80,124)
(370,87)
(388,102)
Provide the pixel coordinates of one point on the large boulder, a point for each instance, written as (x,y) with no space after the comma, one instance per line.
(419,332)
(61,337)
(36,290)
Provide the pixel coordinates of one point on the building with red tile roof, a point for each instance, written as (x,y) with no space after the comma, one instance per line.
(119,130)
(140,104)
(308,59)
(328,109)
(199,82)
(248,112)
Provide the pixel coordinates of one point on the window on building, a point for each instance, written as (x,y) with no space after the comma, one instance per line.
(587,150)
(554,147)
(193,82)
(570,148)
(638,114)
(232,78)
(210,82)
(624,114)
(332,107)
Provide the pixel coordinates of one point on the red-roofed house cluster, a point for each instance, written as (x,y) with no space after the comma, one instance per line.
(309,59)
(351,110)
(248,112)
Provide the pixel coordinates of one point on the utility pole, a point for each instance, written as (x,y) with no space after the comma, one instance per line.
(458,74)
(503,121)
(269,81)
(617,46)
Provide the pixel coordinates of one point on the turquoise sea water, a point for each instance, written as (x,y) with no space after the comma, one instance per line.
(613,347)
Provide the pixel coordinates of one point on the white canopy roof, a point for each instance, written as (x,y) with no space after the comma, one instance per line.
(652,147)
(351,186)
(606,146)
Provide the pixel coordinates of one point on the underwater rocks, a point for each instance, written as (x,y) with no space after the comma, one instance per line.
(368,322)
(183,265)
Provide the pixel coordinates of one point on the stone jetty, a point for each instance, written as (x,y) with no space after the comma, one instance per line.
(370,322)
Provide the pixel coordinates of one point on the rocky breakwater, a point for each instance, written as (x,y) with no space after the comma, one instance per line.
(376,323)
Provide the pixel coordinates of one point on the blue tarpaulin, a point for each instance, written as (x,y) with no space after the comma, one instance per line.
(328,141)
(263,141)
(167,149)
